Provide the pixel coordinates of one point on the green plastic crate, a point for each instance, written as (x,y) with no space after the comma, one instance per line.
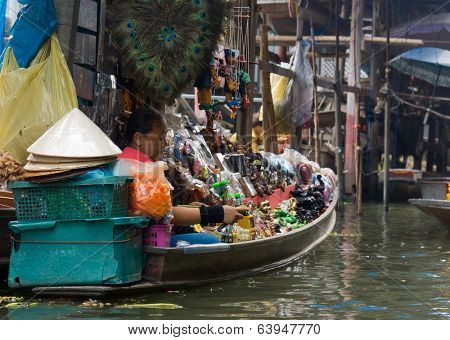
(99,198)
(76,252)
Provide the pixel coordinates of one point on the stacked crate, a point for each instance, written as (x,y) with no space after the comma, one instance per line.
(75,233)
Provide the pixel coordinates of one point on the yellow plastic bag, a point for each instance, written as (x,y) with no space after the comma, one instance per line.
(33,99)
(280,94)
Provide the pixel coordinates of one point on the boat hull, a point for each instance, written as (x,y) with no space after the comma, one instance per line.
(172,268)
(437,208)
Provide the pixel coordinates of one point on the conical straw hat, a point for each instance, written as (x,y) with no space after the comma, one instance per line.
(74,136)
(57,160)
(40,167)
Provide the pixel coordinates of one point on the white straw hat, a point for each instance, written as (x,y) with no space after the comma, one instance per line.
(57,160)
(74,136)
(42,167)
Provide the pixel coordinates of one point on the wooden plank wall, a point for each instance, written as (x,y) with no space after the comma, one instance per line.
(98,94)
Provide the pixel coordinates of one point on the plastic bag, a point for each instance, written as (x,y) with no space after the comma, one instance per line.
(282,103)
(304,79)
(35,23)
(294,157)
(330,175)
(150,192)
(282,100)
(33,99)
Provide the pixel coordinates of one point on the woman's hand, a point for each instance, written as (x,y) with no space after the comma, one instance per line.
(232,214)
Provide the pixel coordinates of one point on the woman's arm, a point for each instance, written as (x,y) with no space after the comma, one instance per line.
(184,216)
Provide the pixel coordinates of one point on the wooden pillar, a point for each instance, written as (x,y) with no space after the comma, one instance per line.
(101,35)
(375,75)
(316,109)
(297,131)
(353,80)
(345,11)
(387,117)
(338,117)
(270,134)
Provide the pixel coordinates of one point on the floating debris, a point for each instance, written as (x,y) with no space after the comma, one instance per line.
(18,305)
(94,303)
(152,306)
(10,299)
(351,235)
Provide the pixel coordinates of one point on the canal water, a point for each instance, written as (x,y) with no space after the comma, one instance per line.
(371,267)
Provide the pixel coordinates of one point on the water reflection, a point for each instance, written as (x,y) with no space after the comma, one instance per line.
(371,267)
(348,250)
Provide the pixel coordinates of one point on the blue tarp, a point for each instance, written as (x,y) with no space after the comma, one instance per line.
(35,23)
(2,22)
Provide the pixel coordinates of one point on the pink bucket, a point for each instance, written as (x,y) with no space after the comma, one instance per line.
(158,235)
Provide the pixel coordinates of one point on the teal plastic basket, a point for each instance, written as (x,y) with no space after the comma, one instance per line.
(76,252)
(98,198)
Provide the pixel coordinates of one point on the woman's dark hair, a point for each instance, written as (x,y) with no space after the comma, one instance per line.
(143,121)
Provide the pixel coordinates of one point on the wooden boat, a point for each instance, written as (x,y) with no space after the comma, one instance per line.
(437,208)
(403,184)
(434,198)
(172,268)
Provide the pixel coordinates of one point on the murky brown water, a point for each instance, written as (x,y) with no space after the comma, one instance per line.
(371,267)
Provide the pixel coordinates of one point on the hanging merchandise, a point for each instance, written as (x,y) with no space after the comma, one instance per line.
(35,23)
(245,88)
(167,43)
(204,84)
(229,68)
(231,81)
(46,91)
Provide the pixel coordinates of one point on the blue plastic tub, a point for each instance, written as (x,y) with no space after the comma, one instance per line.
(76,252)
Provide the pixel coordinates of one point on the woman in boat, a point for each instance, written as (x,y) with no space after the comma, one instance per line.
(145,138)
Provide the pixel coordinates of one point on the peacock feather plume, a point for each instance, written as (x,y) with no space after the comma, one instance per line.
(167,43)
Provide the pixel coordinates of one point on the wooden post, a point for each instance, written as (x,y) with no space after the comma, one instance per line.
(316,109)
(297,131)
(270,135)
(387,117)
(353,80)
(338,115)
(375,75)
(101,34)
(344,14)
